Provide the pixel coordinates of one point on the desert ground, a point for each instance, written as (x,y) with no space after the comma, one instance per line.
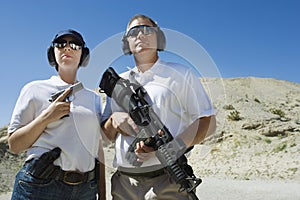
(254,154)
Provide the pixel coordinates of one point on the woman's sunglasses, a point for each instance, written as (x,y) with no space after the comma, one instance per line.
(63,43)
(144,29)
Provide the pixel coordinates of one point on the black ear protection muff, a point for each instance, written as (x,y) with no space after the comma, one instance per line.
(161,40)
(85,56)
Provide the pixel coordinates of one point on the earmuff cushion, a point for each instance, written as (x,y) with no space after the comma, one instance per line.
(51,57)
(125,46)
(85,57)
(161,40)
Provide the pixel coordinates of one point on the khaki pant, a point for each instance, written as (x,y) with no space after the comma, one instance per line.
(124,187)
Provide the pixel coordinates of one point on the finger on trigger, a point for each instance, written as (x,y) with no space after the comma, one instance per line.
(64,95)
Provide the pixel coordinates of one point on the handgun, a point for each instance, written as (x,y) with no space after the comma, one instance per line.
(43,167)
(74,88)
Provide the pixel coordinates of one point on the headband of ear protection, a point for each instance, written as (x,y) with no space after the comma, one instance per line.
(161,39)
(84,59)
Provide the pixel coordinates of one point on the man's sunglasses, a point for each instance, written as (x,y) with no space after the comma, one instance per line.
(144,29)
(63,43)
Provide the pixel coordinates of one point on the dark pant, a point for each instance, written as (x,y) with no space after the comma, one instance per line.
(28,187)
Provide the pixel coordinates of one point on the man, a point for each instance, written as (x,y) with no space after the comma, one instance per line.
(177,97)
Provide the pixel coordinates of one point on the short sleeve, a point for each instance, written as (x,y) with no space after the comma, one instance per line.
(197,101)
(24,110)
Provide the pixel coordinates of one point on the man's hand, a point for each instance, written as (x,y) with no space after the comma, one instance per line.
(119,122)
(144,152)
(123,123)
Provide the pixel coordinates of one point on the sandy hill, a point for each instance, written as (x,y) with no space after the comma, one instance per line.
(258,133)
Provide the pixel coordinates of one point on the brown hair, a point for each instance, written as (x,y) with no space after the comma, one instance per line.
(141,16)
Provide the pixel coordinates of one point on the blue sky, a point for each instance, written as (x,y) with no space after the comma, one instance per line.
(244,38)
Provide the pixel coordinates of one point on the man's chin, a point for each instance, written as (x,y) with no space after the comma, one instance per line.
(144,50)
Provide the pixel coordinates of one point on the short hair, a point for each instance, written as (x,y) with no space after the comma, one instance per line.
(161,39)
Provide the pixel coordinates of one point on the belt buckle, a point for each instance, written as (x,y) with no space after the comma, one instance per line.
(78,177)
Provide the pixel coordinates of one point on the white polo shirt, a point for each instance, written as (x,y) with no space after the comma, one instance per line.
(177,97)
(77,135)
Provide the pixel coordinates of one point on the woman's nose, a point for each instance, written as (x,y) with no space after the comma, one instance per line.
(67,47)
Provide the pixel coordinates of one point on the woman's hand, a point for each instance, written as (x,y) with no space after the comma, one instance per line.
(58,108)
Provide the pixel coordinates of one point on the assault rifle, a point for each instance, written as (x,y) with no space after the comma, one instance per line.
(169,151)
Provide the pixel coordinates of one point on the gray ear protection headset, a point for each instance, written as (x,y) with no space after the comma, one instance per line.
(84,60)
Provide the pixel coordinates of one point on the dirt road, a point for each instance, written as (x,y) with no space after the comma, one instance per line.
(217,189)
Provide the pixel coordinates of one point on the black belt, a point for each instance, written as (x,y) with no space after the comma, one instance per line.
(75,177)
(148,174)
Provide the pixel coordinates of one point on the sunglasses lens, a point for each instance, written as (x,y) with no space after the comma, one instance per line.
(63,43)
(146,30)
(133,32)
(60,44)
(75,46)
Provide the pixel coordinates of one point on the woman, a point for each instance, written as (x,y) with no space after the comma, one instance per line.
(61,133)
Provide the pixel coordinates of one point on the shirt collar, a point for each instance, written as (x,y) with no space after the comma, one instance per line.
(154,69)
(58,81)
